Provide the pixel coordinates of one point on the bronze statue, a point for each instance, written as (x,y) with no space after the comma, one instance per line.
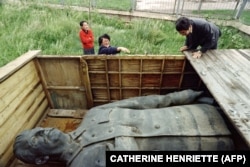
(176,121)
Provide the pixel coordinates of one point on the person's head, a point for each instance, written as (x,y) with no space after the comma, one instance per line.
(84,25)
(104,40)
(38,145)
(183,26)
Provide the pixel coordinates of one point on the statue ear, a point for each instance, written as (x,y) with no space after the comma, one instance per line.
(41,160)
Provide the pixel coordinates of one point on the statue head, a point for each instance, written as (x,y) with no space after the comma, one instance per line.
(39,145)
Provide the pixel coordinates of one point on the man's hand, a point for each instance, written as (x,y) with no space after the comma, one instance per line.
(183,48)
(123,49)
(197,54)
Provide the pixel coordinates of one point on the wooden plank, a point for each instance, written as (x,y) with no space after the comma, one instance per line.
(182,72)
(68,99)
(120,81)
(126,72)
(131,57)
(66,71)
(43,82)
(11,84)
(66,88)
(245,53)
(20,116)
(86,81)
(62,123)
(103,77)
(107,80)
(15,98)
(33,115)
(67,113)
(16,64)
(117,77)
(226,75)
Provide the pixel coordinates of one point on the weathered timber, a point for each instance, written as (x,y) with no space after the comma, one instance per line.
(24,82)
(67,113)
(22,101)
(118,77)
(15,65)
(61,77)
(226,75)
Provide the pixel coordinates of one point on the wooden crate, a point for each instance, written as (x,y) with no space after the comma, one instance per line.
(54,90)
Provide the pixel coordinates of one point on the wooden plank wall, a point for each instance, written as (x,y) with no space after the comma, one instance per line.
(114,78)
(81,82)
(62,80)
(35,84)
(226,75)
(22,101)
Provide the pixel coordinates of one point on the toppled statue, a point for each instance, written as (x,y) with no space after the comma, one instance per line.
(176,121)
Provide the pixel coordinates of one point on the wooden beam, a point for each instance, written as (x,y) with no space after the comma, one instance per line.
(67,113)
(16,64)
(86,82)
(226,75)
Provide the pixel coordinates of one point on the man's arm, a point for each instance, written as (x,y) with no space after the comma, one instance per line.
(109,51)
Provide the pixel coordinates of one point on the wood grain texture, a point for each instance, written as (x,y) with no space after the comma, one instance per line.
(226,75)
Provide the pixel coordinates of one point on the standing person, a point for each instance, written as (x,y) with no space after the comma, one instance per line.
(87,38)
(105,48)
(198,32)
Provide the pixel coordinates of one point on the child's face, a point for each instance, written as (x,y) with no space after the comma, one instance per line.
(105,42)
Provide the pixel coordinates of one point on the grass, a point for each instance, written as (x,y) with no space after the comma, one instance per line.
(123,5)
(245,17)
(225,15)
(55,31)
(218,14)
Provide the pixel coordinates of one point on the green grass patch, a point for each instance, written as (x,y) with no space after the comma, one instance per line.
(55,31)
(123,5)
(216,14)
(245,17)
(224,15)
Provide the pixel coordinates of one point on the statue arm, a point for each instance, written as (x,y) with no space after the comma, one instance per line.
(155,101)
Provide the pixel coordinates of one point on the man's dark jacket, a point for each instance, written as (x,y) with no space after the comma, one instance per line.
(204,34)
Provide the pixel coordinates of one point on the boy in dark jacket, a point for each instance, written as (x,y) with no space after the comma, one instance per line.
(105,48)
(198,32)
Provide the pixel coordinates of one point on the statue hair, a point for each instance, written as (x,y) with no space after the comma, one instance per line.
(21,148)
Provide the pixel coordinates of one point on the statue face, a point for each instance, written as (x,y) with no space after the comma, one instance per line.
(47,140)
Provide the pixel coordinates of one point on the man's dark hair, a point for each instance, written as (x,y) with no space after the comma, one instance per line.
(106,36)
(182,23)
(81,22)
